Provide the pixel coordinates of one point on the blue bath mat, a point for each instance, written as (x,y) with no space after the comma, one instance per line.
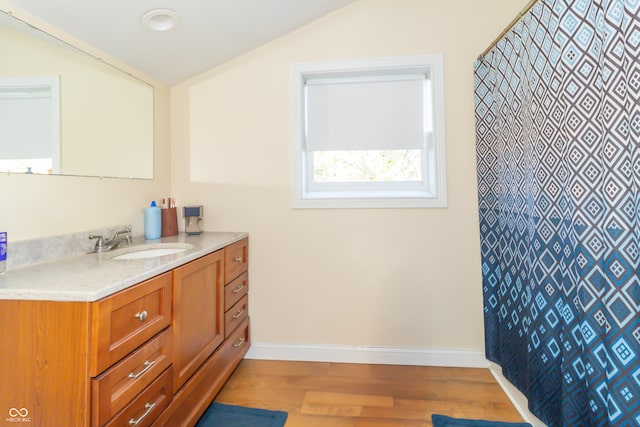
(444,421)
(221,415)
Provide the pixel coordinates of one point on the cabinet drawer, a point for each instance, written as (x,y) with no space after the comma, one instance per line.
(236,315)
(149,404)
(238,342)
(115,388)
(192,400)
(124,321)
(236,290)
(236,259)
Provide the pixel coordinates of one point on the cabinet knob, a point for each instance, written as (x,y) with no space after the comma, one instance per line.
(238,289)
(238,259)
(238,314)
(239,342)
(142,315)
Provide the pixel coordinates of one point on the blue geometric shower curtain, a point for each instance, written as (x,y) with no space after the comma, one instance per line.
(558,158)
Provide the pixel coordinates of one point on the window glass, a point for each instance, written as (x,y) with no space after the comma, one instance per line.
(369,134)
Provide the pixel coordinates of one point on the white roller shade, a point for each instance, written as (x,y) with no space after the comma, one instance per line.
(25,127)
(366,114)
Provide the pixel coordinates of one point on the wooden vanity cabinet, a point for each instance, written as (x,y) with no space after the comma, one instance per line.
(155,353)
(56,358)
(198,391)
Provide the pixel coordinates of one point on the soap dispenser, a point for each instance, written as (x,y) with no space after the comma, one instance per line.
(152,222)
(193,219)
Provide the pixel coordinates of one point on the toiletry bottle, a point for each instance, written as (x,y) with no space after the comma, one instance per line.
(3,252)
(152,222)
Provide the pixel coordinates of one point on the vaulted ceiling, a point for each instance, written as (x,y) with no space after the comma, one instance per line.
(208,32)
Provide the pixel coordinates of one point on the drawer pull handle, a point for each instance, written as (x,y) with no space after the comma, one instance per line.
(149,407)
(147,366)
(239,342)
(142,315)
(238,314)
(238,289)
(238,259)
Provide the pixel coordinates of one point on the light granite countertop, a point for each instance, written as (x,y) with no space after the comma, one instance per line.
(90,277)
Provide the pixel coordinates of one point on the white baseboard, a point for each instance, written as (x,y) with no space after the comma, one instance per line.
(518,399)
(372,355)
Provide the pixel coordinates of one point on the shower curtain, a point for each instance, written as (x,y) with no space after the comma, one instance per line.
(558,162)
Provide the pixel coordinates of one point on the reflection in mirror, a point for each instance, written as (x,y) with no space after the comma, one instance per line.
(30,124)
(63,111)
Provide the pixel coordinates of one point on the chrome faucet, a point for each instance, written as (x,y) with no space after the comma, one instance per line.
(120,236)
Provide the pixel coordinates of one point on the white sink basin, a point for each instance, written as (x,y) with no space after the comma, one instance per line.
(153,252)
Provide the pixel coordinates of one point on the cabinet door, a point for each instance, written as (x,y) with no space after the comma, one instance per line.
(43,363)
(198,314)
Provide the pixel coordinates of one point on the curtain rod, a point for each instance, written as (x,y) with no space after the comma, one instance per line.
(508,28)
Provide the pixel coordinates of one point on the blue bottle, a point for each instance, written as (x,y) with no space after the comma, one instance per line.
(152,222)
(3,252)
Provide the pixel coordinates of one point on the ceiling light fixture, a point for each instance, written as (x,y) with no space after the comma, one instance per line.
(160,20)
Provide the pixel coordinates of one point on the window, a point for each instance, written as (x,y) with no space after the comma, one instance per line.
(30,124)
(369,133)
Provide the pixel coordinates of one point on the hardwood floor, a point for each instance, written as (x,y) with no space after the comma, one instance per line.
(341,394)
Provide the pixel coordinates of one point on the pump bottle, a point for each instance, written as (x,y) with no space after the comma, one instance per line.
(152,222)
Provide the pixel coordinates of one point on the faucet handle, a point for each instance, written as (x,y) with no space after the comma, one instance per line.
(126,232)
(99,243)
(118,233)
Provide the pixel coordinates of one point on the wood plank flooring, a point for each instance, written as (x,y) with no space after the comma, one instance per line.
(358,395)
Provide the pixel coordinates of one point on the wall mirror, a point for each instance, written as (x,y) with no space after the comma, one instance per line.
(66,112)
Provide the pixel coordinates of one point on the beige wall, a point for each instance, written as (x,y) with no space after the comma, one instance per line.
(378,277)
(34,206)
(103,130)
(373,277)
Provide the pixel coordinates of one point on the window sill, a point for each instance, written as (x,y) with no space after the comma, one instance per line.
(334,201)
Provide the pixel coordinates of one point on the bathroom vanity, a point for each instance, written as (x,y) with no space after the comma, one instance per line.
(93,340)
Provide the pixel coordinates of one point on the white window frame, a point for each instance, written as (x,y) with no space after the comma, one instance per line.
(307,194)
(45,87)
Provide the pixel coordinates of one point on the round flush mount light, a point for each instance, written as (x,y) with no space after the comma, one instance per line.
(160,20)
